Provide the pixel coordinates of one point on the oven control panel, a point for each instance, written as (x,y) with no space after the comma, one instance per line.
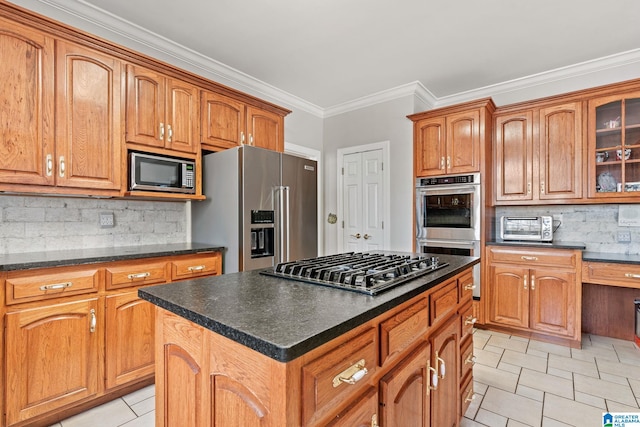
(445,180)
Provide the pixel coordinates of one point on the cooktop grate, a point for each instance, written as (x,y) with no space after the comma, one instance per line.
(368,273)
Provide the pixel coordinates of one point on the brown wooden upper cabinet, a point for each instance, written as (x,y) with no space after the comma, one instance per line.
(451,140)
(80,146)
(227,122)
(162,112)
(614,146)
(538,154)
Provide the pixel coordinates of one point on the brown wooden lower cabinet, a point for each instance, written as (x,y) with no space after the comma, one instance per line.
(77,336)
(205,379)
(535,292)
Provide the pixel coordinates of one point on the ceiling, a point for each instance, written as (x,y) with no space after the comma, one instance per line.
(329,52)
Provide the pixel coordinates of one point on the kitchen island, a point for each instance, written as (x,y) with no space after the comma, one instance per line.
(250,349)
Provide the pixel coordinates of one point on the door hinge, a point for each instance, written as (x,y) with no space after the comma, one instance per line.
(383,225)
(342,224)
(342,171)
(382,166)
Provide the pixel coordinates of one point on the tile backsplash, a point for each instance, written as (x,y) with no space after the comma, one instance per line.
(594,225)
(31,224)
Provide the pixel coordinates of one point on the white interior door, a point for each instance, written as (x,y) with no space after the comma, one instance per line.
(363,201)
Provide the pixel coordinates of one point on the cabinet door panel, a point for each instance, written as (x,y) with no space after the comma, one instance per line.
(183,116)
(445,401)
(361,412)
(514,156)
(265,129)
(463,145)
(89,118)
(430,146)
(51,357)
(223,121)
(508,298)
(145,106)
(26,72)
(129,350)
(561,151)
(553,302)
(403,393)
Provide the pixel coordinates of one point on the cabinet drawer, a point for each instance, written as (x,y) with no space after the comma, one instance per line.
(467,359)
(443,301)
(135,274)
(534,257)
(614,274)
(467,320)
(195,266)
(466,395)
(466,286)
(402,329)
(35,285)
(321,387)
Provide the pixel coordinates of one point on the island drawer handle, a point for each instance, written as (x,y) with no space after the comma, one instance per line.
(632,275)
(138,275)
(196,268)
(529,258)
(470,320)
(54,286)
(351,375)
(470,396)
(469,287)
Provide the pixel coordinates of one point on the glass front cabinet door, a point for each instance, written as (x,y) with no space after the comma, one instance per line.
(614,146)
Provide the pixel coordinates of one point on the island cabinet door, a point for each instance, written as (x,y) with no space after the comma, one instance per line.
(405,391)
(445,405)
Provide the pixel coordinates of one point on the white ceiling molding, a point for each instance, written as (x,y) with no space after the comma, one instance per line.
(573,71)
(114,28)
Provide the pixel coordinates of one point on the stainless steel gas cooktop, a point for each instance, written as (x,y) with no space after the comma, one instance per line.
(368,273)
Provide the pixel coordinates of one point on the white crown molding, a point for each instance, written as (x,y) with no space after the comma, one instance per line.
(158,46)
(575,71)
(152,44)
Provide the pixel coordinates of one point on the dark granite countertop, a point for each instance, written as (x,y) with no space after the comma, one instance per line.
(610,257)
(30,260)
(281,318)
(555,245)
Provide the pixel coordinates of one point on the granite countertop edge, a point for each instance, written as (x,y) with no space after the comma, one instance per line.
(44,259)
(290,351)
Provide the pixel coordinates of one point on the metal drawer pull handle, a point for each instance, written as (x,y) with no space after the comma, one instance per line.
(632,275)
(49,165)
(470,396)
(351,375)
(93,322)
(62,167)
(533,282)
(56,286)
(170,133)
(469,287)
(525,281)
(471,359)
(374,420)
(529,258)
(470,320)
(161,131)
(138,275)
(196,268)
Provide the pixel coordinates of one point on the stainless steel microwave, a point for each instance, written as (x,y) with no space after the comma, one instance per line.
(160,173)
(537,228)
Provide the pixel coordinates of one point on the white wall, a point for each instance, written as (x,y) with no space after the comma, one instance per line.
(382,122)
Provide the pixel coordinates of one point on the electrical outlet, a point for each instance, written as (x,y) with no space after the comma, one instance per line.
(624,236)
(106,220)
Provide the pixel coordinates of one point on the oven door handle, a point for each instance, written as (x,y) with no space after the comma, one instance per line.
(449,243)
(467,189)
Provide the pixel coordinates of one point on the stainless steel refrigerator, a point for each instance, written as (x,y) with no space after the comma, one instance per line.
(261,205)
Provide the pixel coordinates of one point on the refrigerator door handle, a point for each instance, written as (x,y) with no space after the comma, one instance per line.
(279,229)
(287,228)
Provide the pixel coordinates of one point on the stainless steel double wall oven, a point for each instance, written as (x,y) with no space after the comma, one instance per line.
(448,212)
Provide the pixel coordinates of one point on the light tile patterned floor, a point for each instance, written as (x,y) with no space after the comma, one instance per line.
(518,383)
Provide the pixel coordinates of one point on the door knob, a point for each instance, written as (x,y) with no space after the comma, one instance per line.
(357,236)
(367,237)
